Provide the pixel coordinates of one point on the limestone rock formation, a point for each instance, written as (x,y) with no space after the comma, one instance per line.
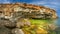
(15,17)
(17,10)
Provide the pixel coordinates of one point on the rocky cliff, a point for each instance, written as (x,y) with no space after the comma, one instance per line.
(14,18)
(16,10)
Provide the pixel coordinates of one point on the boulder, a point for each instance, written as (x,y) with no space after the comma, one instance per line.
(4,30)
(7,23)
(17,31)
(22,22)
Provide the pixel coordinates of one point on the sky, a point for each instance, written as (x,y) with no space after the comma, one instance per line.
(54,4)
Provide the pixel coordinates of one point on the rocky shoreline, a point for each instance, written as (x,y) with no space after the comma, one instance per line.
(15,17)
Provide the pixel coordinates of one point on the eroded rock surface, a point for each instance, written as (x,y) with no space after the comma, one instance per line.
(10,11)
(15,17)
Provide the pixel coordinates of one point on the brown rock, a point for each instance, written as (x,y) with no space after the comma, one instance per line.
(22,22)
(7,23)
(27,10)
(4,30)
(17,31)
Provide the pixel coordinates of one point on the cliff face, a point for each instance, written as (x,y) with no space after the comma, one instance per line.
(14,19)
(17,10)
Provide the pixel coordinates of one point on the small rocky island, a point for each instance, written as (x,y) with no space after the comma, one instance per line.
(15,18)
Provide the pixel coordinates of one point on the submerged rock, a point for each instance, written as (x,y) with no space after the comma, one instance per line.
(7,23)
(10,24)
(4,30)
(57,30)
(13,17)
(17,31)
(22,22)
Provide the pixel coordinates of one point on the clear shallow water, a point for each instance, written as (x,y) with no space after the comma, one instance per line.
(39,26)
(57,23)
(51,26)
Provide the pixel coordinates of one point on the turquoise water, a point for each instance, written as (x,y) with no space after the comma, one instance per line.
(57,23)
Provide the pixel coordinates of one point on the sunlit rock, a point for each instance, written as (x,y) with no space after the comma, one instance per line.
(7,9)
(16,17)
(16,9)
(22,22)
